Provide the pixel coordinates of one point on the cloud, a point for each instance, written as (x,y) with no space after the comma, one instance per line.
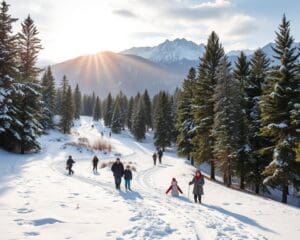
(151,35)
(125,13)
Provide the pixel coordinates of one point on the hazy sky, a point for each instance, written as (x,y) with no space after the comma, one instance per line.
(69,28)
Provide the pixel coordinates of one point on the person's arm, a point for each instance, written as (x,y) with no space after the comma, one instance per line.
(179,189)
(192,182)
(113,168)
(130,174)
(169,189)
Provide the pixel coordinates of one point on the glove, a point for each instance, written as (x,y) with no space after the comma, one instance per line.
(190,183)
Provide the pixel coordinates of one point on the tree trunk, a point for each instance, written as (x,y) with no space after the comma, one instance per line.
(242,181)
(22,148)
(192,161)
(212,170)
(285,191)
(257,188)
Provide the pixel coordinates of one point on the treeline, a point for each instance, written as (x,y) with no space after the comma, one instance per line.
(244,119)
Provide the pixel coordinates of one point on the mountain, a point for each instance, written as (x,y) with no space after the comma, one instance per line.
(106,72)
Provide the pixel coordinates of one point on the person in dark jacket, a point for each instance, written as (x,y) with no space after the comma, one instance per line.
(127,177)
(160,154)
(198,182)
(175,188)
(118,170)
(154,156)
(70,163)
(95,164)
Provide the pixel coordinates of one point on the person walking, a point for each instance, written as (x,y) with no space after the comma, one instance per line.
(95,164)
(127,177)
(175,188)
(198,182)
(154,156)
(160,154)
(118,170)
(70,163)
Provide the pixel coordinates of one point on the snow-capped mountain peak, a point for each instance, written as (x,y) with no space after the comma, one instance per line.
(169,51)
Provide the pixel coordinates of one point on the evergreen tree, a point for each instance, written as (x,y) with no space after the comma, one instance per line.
(184,121)
(68,111)
(58,102)
(9,89)
(77,102)
(138,126)
(108,110)
(241,73)
(203,110)
(163,120)
(116,122)
(147,109)
(129,113)
(226,121)
(49,94)
(31,101)
(281,113)
(259,66)
(97,110)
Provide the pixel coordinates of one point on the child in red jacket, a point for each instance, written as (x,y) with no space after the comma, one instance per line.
(175,188)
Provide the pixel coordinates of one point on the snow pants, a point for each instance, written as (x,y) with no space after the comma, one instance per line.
(197,196)
(118,180)
(127,184)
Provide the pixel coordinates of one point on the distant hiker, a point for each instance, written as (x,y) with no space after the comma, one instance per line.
(160,154)
(109,134)
(127,177)
(175,188)
(102,134)
(118,170)
(92,126)
(154,156)
(95,164)
(198,182)
(70,163)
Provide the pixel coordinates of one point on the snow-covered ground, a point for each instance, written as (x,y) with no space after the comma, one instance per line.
(39,201)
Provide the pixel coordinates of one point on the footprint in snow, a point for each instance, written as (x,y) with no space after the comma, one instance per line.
(31,234)
(24,210)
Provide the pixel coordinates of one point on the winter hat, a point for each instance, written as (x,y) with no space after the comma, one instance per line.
(174,179)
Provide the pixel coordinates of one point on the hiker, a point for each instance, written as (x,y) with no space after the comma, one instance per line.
(109,134)
(198,182)
(175,188)
(70,163)
(160,154)
(127,177)
(95,163)
(118,170)
(102,134)
(154,156)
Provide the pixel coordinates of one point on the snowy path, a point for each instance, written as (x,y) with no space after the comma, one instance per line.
(43,203)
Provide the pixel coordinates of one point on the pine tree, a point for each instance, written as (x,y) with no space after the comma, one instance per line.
(259,66)
(163,119)
(129,113)
(203,110)
(97,110)
(9,89)
(226,121)
(48,96)
(77,102)
(67,110)
(108,110)
(31,101)
(116,122)
(147,109)
(67,117)
(184,121)
(281,113)
(241,73)
(138,126)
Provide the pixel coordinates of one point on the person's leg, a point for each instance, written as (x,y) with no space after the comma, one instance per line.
(199,198)
(129,185)
(195,198)
(126,184)
(69,168)
(119,182)
(116,182)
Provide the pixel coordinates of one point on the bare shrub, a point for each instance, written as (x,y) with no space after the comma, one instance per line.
(103,165)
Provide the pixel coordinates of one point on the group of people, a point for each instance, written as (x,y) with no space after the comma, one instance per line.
(158,155)
(119,171)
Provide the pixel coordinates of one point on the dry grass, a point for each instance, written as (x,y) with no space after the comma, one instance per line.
(101,145)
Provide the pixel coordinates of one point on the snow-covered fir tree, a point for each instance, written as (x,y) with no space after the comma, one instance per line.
(67,110)
(108,110)
(203,106)
(147,109)
(280,108)
(77,102)
(129,113)
(30,102)
(138,126)
(226,129)
(185,121)
(97,110)
(241,73)
(116,121)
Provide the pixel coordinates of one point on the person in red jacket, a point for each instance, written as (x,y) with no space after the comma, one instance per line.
(175,188)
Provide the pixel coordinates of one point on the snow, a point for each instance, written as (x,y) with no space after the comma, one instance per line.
(39,201)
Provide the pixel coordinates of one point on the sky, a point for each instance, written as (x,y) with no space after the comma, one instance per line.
(70,28)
